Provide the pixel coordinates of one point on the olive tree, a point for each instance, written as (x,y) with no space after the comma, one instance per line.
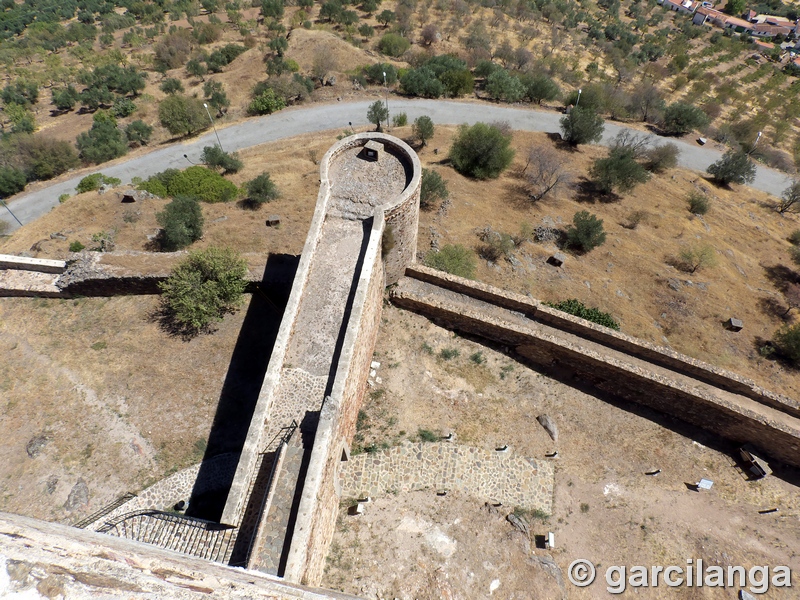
(202,288)
(378,113)
(481,151)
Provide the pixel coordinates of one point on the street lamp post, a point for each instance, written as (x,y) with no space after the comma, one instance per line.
(758,137)
(208,112)
(11,213)
(579,97)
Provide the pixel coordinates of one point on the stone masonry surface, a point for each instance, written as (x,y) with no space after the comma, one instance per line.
(78,564)
(298,392)
(442,466)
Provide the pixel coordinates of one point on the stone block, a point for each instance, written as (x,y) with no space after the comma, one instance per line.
(556,259)
(734,324)
(273,220)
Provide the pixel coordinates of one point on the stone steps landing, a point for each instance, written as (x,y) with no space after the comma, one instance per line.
(486,474)
(194,537)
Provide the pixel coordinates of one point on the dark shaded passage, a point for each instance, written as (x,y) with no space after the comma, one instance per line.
(243,381)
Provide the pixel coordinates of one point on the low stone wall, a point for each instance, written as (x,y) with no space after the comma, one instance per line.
(316,520)
(639,348)
(40,265)
(735,417)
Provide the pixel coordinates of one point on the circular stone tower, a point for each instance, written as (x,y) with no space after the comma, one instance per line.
(373,173)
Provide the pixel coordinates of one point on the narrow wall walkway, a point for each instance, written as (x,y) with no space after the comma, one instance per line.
(486,474)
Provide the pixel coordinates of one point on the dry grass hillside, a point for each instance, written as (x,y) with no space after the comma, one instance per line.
(631,276)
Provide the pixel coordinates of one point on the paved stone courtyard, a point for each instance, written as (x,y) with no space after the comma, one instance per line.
(486,474)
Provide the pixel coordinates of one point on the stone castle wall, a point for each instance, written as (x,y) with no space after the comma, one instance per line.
(402,215)
(639,348)
(320,499)
(533,332)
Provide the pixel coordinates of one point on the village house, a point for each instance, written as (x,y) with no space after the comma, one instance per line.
(760,26)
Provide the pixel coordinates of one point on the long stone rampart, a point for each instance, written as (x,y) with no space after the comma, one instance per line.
(550,338)
(401,212)
(658,355)
(242,481)
(320,499)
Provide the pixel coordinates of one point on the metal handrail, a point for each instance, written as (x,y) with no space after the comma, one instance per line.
(96,516)
(283,434)
(167,518)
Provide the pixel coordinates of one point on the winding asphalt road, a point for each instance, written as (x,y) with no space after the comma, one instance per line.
(307,119)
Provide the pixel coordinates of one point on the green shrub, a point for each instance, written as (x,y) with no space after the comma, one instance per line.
(586,231)
(65,98)
(203,184)
(374,73)
(794,237)
(432,189)
(266,103)
(182,115)
(393,44)
(12,180)
(787,342)
(426,435)
(103,142)
(123,107)
(44,157)
(181,222)
(582,126)
(76,246)
(215,157)
(421,82)
(138,133)
(158,184)
(619,171)
(63,198)
(423,129)
(579,309)
(203,288)
(171,85)
(698,203)
(477,357)
(94,181)
(448,353)
(261,189)
(696,257)
(682,117)
(481,151)
(735,166)
(400,120)
(453,259)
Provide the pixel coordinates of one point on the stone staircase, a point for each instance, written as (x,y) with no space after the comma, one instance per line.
(277,522)
(188,535)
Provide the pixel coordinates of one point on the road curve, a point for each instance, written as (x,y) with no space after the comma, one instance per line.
(311,118)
